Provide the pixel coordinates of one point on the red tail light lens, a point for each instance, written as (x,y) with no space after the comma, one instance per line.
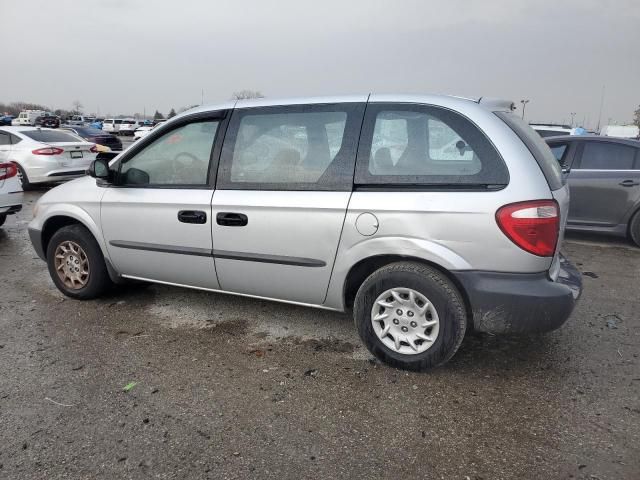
(94,149)
(533,226)
(48,151)
(8,170)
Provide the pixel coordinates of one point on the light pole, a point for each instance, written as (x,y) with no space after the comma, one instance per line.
(573,114)
(524,105)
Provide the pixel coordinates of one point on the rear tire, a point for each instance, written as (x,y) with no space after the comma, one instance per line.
(634,229)
(76,263)
(425,317)
(24,180)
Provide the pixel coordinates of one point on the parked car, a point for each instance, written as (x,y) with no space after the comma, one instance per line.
(604,177)
(77,120)
(621,131)
(98,137)
(128,126)
(552,130)
(48,121)
(28,117)
(145,129)
(43,155)
(97,123)
(10,189)
(5,120)
(421,248)
(111,125)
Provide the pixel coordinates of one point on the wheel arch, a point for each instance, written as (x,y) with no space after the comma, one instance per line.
(359,272)
(70,215)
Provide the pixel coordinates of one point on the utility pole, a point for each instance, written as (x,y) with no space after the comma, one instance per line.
(600,114)
(202,97)
(524,106)
(573,114)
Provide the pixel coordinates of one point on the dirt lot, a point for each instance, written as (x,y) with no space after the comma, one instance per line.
(237,388)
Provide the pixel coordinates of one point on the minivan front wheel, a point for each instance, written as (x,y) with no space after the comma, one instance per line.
(410,316)
(76,263)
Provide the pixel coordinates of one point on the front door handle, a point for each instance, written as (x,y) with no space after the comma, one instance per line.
(192,216)
(230,219)
(629,183)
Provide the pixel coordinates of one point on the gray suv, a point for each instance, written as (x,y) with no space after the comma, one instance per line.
(604,176)
(427,216)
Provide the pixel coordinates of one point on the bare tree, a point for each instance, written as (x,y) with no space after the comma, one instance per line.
(636,117)
(77,107)
(244,94)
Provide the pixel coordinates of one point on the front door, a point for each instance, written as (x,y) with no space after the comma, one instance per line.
(603,183)
(282,194)
(157,219)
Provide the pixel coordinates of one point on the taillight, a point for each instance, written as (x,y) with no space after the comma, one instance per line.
(48,151)
(8,170)
(94,149)
(533,225)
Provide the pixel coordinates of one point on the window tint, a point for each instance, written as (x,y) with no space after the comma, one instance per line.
(606,156)
(51,136)
(291,148)
(413,144)
(558,151)
(538,148)
(15,139)
(5,139)
(179,157)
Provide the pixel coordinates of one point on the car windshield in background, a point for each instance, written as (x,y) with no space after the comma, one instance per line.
(552,133)
(129,122)
(118,122)
(50,136)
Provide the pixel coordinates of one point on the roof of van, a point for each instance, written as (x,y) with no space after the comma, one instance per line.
(489,103)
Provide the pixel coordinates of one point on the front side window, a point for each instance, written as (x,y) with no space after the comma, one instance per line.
(606,156)
(179,157)
(423,145)
(291,148)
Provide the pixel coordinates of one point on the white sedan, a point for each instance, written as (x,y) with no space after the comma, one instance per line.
(145,130)
(10,189)
(44,155)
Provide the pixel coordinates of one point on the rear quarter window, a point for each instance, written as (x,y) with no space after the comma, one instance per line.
(538,148)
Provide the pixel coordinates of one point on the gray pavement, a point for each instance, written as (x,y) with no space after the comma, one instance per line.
(238,388)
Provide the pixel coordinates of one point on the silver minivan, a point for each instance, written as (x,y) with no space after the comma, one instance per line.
(427,216)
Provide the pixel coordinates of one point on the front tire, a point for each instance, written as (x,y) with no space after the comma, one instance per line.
(76,263)
(634,229)
(410,316)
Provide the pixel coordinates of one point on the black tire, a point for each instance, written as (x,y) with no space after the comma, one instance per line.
(442,294)
(634,229)
(98,281)
(3,218)
(24,179)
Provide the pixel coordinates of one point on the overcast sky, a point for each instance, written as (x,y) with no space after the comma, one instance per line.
(122,56)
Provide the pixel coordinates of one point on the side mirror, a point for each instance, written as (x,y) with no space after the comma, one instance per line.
(99,169)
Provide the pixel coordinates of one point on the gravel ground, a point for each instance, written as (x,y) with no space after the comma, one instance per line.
(228,387)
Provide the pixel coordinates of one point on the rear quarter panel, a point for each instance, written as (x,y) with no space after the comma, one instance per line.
(456,230)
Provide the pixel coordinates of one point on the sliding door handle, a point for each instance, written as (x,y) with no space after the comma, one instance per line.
(230,219)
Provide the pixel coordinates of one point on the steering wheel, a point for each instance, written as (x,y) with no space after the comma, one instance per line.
(187,167)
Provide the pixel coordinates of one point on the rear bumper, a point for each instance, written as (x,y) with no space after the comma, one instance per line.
(521,303)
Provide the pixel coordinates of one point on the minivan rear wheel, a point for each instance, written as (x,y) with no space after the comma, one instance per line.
(634,229)
(410,316)
(76,263)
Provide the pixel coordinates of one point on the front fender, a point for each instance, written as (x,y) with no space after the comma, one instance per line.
(86,218)
(410,247)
